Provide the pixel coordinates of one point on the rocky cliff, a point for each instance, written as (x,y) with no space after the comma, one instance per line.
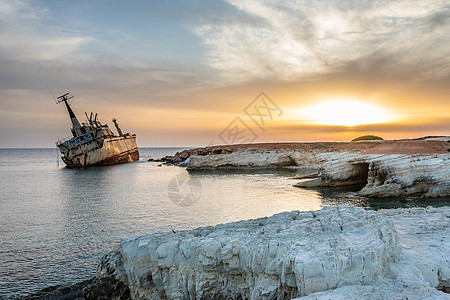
(343,251)
(386,168)
(385,175)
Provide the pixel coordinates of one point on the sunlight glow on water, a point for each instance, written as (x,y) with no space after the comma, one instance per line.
(55,222)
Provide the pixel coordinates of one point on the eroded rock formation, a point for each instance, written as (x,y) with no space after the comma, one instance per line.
(291,254)
(385,175)
(387,168)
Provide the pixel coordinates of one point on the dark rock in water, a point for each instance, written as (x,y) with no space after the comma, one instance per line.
(175,159)
(94,288)
(171,160)
(183,154)
(59,292)
(202,152)
(106,288)
(155,160)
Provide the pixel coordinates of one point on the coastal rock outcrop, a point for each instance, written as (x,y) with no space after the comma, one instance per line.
(423,234)
(385,175)
(293,254)
(385,168)
(242,159)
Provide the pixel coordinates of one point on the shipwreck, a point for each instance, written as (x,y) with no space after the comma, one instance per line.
(93,143)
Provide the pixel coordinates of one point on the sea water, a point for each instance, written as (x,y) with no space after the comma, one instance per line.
(56,222)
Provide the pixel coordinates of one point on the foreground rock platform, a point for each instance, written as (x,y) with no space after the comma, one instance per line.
(337,252)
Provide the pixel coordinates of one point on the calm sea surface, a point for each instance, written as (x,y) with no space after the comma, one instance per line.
(55,222)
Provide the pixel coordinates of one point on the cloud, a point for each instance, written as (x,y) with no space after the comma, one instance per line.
(39,48)
(199,58)
(24,35)
(299,39)
(19,10)
(430,124)
(26,46)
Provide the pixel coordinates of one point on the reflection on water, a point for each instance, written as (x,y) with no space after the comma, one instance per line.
(55,222)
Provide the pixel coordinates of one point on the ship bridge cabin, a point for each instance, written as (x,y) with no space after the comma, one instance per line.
(91,130)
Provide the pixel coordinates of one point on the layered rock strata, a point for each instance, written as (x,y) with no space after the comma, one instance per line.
(388,168)
(385,175)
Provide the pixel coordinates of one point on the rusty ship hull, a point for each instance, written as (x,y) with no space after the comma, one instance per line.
(113,151)
(94,144)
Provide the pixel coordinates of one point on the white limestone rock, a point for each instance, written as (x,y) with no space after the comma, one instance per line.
(242,159)
(385,175)
(285,256)
(424,238)
(423,267)
(337,252)
(379,292)
(395,175)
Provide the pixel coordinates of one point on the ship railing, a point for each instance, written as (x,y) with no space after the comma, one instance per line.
(73,141)
(63,140)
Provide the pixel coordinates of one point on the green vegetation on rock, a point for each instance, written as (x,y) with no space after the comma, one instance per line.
(432,136)
(367,138)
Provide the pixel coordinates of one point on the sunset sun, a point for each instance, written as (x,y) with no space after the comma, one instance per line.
(345,113)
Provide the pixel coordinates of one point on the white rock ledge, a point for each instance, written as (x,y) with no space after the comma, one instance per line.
(337,252)
(384,175)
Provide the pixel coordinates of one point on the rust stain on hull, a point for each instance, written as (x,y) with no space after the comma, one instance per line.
(125,157)
(112,152)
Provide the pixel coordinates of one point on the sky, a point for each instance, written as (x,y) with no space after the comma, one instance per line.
(195,73)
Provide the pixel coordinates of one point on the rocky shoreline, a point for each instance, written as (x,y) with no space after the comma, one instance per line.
(91,289)
(386,168)
(336,252)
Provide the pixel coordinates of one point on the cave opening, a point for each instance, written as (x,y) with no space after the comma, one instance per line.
(360,173)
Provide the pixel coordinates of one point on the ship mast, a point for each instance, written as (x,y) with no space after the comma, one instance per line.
(76,127)
(117,127)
